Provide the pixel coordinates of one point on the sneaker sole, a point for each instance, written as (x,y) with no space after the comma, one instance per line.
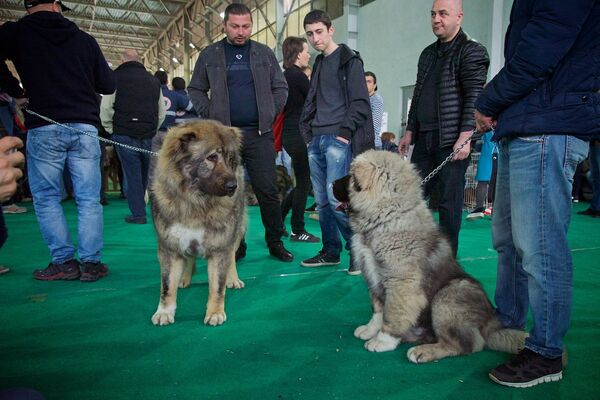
(58,277)
(354,273)
(319,264)
(305,241)
(92,278)
(474,217)
(544,379)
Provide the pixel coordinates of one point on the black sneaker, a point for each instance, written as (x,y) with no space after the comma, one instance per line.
(91,272)
(321,260)
(67,271)
(527,369)
(354,268)
(130,219)
(304,236)
(590,212)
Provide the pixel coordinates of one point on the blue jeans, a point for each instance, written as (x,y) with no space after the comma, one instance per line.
(595,172)
(532,212)
(135,167)
(48,149)
(329,159)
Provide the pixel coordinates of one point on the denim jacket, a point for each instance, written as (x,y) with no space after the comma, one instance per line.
(210,74)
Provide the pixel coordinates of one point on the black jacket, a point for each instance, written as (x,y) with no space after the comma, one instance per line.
(210,74)
(60,66)
(136,101)
(463,75)
(358,124)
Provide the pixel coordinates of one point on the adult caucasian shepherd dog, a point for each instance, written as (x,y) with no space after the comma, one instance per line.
(418,291)
(198,211)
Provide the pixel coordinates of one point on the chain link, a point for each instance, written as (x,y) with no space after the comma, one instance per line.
(125,146)
(447,160)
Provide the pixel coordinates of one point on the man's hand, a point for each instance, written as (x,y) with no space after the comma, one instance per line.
(10,161)
(404,143)
(484,123)
(466,150)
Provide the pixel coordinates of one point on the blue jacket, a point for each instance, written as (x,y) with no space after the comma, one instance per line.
(551,78)
(176,104)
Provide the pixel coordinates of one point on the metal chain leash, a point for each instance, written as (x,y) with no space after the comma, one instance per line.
(447,160)
(125,146)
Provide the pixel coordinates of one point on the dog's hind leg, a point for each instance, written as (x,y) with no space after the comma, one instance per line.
(188,270)
(233,280)
(171,268)
(218,266)
(368,331)
(456,341)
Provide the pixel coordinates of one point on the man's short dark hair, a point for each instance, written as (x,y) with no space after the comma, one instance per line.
(236,9)
(372,75)
(316,16)
(178,83)
(162,77)
(291,47)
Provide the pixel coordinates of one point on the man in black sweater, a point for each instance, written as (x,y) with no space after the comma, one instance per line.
(62,69)
(133,114)
(451,74)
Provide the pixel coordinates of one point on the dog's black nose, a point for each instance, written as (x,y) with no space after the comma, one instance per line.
(231,186)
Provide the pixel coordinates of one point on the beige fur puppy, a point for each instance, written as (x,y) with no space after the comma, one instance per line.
(418,291)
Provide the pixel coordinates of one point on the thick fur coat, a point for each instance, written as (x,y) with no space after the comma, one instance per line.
(418,291)
(198,210)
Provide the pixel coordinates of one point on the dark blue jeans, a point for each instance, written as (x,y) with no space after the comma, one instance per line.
(427,155)
(135,167)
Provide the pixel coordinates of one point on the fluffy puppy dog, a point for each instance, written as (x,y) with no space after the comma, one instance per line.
(198,210)
(418,291)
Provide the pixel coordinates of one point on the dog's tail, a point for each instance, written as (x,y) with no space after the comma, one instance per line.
(506,340)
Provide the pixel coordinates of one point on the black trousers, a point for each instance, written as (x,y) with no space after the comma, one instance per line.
(426,156)
(296,199)
(258,155)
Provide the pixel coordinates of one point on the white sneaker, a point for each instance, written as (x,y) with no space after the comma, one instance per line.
(475,214)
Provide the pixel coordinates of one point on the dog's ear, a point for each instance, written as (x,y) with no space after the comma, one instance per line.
(185,140)
(340,189)
(364,175)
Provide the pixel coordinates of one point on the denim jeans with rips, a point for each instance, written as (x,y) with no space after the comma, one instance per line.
(532,212)
(49,149)
(329,159)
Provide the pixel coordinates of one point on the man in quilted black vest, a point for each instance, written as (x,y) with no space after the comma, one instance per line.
(451,74)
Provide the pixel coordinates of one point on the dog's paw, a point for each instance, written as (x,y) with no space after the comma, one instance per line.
(382,342)
(214,319)
(185,282)
(420,354)
(366,332)
(235,284)
(163,317)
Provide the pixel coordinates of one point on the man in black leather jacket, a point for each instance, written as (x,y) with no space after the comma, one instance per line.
(451,74)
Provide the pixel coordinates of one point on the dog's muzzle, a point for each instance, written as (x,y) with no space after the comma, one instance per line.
(231,186)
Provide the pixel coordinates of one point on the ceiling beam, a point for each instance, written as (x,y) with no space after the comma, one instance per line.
(109,6)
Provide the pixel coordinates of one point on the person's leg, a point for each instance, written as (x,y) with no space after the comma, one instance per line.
(595,172)
(452,195)
(299,155)
(46,153)
(481,192)
(317,159)
(82,158)
(131,162)
(145,144)
(338,156)
(542,169)
(511,296)
(258,153)
(423,160)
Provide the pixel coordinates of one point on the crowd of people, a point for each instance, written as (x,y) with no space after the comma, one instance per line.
(542,107)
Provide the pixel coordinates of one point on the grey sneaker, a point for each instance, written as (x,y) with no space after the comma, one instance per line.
(477,213)
(320,260)
(354,268)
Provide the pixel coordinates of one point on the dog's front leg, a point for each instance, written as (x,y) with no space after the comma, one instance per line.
(171,268)
(401,310)
(218,266)
(368,331)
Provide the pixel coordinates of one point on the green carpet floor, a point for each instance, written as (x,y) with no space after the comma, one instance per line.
(288,333)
